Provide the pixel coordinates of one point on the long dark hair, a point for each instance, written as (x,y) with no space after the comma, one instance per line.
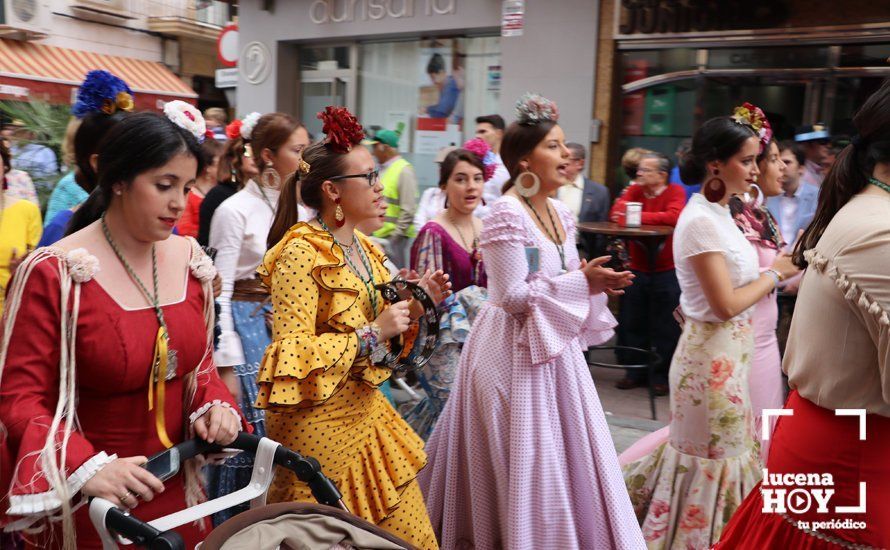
(271,132)
(854,166)
(718,139)
(519,141)
(138,143)
(89,134)
(325,164)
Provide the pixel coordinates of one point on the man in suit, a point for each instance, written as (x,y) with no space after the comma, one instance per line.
(796,206)
(589,201)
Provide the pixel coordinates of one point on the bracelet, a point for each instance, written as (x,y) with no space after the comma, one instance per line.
(369,339)
(777,277)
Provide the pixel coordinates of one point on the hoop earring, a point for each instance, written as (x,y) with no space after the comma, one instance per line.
(339,217)
(756,201)
(714,189)
(530,191)
(483,202)
(270,174)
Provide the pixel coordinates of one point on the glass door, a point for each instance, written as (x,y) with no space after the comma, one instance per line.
(318,93)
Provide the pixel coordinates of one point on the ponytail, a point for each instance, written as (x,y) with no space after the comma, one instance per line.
(287,214)
(91,210)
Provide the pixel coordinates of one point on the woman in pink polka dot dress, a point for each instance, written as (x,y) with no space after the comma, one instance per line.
(522,456)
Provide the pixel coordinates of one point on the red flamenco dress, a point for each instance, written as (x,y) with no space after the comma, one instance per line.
(103,381)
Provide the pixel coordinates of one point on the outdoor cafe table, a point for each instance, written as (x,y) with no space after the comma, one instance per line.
(650,237)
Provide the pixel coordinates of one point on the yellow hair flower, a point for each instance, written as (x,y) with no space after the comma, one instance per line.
(124,101)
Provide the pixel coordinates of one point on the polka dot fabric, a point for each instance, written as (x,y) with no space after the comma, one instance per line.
(522,456)
(323,403)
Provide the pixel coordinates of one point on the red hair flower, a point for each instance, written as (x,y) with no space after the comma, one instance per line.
(341,128)
(480,148)
(233,129)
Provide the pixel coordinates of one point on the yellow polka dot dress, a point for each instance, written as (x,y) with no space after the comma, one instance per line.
(322,401)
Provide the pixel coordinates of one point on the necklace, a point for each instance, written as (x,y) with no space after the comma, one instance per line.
(560,247)
(369,282)
(878,183)
(460,234)
(164,362)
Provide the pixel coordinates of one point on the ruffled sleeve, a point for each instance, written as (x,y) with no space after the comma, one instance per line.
(301,367)
(555,309)
(30,391)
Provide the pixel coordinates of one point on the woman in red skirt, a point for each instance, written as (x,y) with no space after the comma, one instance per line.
(827,480)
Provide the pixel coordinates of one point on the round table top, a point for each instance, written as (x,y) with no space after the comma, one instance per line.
(612,228)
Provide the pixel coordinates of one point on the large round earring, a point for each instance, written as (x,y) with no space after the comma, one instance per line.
(270,178)
(714,189)
(339,217)
(757,200)
(530,191)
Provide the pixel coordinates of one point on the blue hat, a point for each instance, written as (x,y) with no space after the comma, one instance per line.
(812,132)
(102,92)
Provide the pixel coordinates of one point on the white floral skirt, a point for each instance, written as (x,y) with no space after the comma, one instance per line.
(686,490)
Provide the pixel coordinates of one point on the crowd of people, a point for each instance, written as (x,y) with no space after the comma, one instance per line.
(199,277)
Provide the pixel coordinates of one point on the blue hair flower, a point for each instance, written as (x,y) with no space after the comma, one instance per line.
(102,92)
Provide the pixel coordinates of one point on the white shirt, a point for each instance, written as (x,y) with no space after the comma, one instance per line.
(492,189)
(705,226)
(572,195)
(789,206)
(238,232)
(431,203)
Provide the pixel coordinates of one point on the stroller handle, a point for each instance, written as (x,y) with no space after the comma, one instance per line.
(307,469)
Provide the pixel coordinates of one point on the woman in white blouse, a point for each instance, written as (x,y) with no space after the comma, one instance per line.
(238,232)
(686,489)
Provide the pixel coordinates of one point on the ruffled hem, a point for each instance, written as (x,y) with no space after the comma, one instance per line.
(685,501)
(750,528)
(207,406)
(556,310)
(845,284)
(388,460)
(49,501)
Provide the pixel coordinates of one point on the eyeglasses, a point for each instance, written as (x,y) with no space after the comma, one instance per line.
(372,177)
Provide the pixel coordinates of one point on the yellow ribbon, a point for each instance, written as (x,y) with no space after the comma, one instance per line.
(159,379)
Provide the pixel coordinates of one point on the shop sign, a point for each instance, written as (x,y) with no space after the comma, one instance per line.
(348,11)
(644,17)
(15,91)
(226,78)
(512,17)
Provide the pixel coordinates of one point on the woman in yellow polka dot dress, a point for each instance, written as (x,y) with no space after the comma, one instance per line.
(317,383)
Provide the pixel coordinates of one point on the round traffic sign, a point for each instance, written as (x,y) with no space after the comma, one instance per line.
(227,46)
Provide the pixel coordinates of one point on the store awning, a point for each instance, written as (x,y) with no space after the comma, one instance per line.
(49,73)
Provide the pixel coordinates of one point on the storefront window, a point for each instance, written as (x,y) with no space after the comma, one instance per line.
(865,55)
(768,58)
(324,58)
(435,88)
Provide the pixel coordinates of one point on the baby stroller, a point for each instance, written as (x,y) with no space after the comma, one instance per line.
(288,526)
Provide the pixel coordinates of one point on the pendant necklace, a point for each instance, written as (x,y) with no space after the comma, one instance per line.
(164,362)
(367,282)
(554,237)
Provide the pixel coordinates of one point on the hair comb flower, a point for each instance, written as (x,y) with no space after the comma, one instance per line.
(341,128)
(303,167)
(483,152)
(535,109)
(102,92)
(753,117)
(248,123)
(233,129)
(187,117)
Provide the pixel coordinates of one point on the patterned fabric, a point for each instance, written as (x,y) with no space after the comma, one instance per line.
(250,324)
(756,223)
(685,491)
(66,195)
(20,186)
(521,456)
(438,374)
(435,249)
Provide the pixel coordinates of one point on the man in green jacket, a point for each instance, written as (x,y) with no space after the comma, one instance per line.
(400,191)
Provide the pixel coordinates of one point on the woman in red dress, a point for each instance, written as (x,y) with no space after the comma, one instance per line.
(106,348)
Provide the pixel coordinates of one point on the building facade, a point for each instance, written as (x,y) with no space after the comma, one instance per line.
(434,65)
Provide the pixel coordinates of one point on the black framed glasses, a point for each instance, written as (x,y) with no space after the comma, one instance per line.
(372,177)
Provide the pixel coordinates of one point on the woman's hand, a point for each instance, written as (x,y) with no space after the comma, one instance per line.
(217,286)
(603,279)
(124,482)
(217,425)
(784,266)
(394,320)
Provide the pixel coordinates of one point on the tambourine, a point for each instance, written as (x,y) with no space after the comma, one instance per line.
(395,359)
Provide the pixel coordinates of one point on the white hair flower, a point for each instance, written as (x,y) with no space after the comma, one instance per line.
(248,123)
(187,117)
(535,109)
(81,265)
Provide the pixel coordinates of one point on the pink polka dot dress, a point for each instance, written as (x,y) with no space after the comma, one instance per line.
(522,456)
